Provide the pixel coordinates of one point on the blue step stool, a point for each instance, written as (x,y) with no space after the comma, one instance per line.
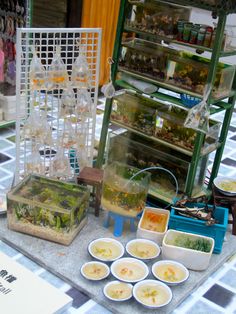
(119,221)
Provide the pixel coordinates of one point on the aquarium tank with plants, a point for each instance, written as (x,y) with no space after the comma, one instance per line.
(47,208)
(162,121)
(124,189)
(139,152)
(157,18)
(190,72)
(134,112)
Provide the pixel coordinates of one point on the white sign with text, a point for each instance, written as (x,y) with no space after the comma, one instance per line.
(21,291)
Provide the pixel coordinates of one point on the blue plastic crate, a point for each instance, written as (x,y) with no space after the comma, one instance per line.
(188,224)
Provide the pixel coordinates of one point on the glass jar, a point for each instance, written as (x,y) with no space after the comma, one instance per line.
(124,189)
(201,35)
(187,31)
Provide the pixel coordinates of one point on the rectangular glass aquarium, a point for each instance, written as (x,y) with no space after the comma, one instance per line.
(141,153)
(47,208)
(157,18)
(162,121)
(135,112)
(181,70)
(124,189)
(145,58)
(190,72)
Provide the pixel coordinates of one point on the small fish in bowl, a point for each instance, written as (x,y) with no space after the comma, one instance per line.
(95,270)
(152,293)
(118,291)
(106,249)
(170,272)
(143,249)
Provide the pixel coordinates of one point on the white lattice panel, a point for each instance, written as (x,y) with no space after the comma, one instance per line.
(52,126)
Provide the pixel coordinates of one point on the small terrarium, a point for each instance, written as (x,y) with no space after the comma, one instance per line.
(162,121)
(124,189)
(157,18)
(141,153)
(145,58)
(47,208)
(190,72)
(134,112)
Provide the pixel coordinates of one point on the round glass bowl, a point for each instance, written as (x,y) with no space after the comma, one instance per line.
(129,269)
(170,272)
(143,249)
(118,291)
(95,270)
(152,294)
(106,249)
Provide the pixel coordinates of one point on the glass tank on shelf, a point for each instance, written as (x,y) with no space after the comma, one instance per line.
(47,208)
(145,58)
(160,120)
(129,110)
(138,152)
(179,69)
(157,18)
(190,72)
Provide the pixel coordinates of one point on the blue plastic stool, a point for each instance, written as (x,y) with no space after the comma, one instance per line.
(119,221)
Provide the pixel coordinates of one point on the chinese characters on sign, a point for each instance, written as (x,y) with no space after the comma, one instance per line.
(7,277)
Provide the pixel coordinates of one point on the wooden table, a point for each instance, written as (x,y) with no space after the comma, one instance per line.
(92,176)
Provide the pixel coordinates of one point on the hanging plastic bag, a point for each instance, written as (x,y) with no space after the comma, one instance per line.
(57,73)
(60,166)
(32,128)
(68,138)
(108,89)
(37,72)
(81,74)
(37,128)
(84,103)
(34,163)
(45,137)
(68,103)
(198,116)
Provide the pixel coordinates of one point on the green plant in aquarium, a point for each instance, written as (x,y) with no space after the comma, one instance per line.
(48,208)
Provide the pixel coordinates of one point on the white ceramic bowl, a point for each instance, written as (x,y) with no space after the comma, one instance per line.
(152,234)
(170,272)
(226,186)
(106,249)
(190,258)
(129,269)
(145,292)
(143,249)
(118,291)
(95,270)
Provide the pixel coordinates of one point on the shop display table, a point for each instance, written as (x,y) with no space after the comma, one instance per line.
(65,262)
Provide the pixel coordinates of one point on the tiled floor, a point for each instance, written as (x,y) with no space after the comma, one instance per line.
(216,295)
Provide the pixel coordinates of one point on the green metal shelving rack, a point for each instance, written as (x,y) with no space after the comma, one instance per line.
(221,9)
